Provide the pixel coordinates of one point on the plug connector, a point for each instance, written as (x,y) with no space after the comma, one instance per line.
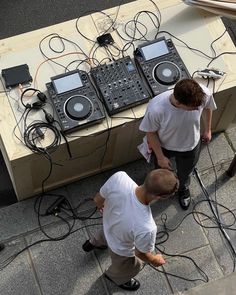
(39,132)
(42,97)
(49,118)
(211,73)
(105,39)
(37,105)
(55,207)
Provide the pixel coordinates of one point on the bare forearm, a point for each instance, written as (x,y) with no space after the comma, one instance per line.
(99,201)
(155,260)
(146,257)
(154,142)
(207,118)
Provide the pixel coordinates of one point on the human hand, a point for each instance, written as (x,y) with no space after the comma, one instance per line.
(158,260)
(206,137)
(101,209)
(164,163)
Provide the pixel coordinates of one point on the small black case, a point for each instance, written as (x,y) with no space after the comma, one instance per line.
(16,75)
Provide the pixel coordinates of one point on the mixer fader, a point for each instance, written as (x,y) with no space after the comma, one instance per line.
(120,85)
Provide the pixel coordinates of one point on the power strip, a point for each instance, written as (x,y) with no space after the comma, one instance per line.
(211,73)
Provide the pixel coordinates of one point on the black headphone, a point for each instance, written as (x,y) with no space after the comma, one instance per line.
(35,105)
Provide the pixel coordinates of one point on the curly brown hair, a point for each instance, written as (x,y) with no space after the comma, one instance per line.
(189,93)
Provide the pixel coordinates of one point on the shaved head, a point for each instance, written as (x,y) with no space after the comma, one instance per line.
(160,182)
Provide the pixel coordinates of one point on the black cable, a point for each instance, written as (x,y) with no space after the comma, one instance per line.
(221,54)
(113,21)
(67,143)
(217,217)
(89,12)
(189,47)
(6,262)
(164,235)
(53,36)
(217,40)
(74,211)
(180,277)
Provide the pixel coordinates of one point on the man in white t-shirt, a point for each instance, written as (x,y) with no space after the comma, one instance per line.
(172,126)
(128,226)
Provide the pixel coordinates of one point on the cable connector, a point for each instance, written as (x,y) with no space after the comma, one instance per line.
(49,118)
(211,73)
(28,106)
(105,39)
(41,96)
(37,105)
(55,207)
(39,132)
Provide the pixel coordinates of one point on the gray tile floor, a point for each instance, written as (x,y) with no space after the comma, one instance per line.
(62,268)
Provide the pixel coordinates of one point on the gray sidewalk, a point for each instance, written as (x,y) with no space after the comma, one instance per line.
(62,268)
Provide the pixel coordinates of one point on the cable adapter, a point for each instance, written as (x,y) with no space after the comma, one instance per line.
(105,39)
(55,207)
(211,73)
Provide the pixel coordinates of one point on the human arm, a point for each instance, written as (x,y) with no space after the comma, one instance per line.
(99,201)
(155,260)
(154,142)
(207,118)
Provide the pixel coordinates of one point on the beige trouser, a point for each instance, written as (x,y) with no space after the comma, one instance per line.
(122,268)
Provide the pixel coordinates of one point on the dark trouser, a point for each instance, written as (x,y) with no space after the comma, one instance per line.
(185,163)
(122,268)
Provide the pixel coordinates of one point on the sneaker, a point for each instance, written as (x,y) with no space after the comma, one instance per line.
(87,247)
(131,285)
(184,199)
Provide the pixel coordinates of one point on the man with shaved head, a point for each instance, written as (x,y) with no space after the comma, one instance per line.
(129,229)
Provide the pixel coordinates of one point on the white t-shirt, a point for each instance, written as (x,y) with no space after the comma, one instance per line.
(178,129)
(127,223)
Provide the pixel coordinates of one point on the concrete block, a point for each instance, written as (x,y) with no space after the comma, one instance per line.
(62,267)
(220,152)
(204,257)
(18,277)
(220,245)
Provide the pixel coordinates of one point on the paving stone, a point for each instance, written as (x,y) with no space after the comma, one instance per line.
(153,282)
(204,257)
(189,235)
(17,277)
(231,134)
(21,218)
(62,267)
(150,280)
(222,286)
(88,187)
(220,152)
(219,187)
(219,243)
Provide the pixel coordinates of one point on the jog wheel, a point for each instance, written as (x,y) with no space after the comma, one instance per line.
(166,73)
(78,107)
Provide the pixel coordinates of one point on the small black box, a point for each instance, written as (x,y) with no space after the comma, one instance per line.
(16,75)
(105,39)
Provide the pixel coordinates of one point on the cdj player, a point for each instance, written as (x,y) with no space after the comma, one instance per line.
(120,85)
(75,100)
(160,64)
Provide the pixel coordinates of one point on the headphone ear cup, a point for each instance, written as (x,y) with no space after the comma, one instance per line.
(42,97)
